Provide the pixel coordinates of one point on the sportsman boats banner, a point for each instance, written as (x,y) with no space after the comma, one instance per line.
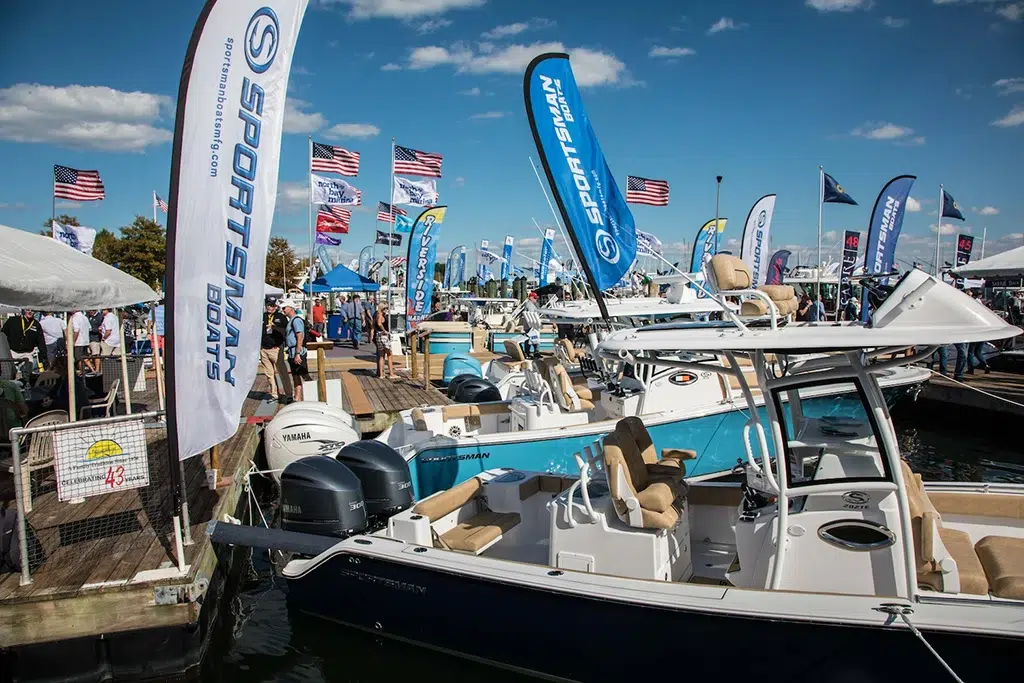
(884,230)
(754,245)
(462,267)
(507,255)
(851,244)
(704,248)
(224,167)
(419,279)
(546,254)
(592,207)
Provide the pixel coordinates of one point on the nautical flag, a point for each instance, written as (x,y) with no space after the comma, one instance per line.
(161,204)
(415,162)
(950,208)
(833,193)
(333,219)
(403,223)
(325,239)
(415,192)
(646,191)
(75,236)
(386,212)
(78,186)
(334,191)
(647,244)
(329,159)
(388,238)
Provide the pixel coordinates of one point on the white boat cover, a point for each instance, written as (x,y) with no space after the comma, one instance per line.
(43,274)
(1007,264)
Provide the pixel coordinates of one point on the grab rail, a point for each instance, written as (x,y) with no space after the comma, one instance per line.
(584,464)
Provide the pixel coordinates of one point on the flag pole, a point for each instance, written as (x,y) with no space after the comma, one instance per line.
(718,199)
(938,237)
(391,229)
(821,195)
(309,211)
(154,206)
(984,232)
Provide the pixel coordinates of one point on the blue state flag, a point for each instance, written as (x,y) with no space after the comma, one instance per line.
(833,192)
(600,224)
(950,208)
(403,223)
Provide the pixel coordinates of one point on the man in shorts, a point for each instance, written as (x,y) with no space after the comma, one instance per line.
(295,340)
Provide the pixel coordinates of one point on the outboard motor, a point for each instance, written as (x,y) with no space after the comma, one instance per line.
(384,476)
(453,386)
(321,496)
(477,390)
(299,431)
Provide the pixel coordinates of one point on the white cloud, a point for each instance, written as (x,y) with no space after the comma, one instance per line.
(591,67)
(352,130)
(1012,12)
(987,211)
(659,51)
(1014,118)
(459,181)
(913,205)
(472,92)
(67,205)
(507,30)
(292,194)
(12,205)
(490,115)
(915,141)
(390,66)
(838,5)
(963,92)
(298,120)
(1008,86)
(431,25)
(895,22)
(402,9)
(725,24)
(831,236)
(948,228)
(732,242)
(82,116)
(882,131)
(526,242)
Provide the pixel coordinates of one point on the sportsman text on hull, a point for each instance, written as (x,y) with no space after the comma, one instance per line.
(600,224)
(224,167)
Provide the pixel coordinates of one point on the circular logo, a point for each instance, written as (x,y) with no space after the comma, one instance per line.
(682,378)
(761,218)
(856,498)
(606,247)
(261,39)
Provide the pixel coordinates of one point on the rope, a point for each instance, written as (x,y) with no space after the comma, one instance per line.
(980,391)
(904,611)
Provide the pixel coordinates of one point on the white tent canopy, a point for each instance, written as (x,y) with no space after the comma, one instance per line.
(1007,264)
(271,290)
(44,274)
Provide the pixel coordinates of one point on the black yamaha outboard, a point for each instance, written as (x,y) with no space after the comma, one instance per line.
(453,386)
(477,390)
(384,475)
(321,496)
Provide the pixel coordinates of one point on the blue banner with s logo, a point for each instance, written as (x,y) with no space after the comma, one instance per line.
(507,255)
(546,252)
(419,286)
(365,258)
(600,224)
(460,276)
(884,229)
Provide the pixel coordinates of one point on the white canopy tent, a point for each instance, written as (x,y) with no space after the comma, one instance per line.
(44,274)
(1007,264)
(271,290)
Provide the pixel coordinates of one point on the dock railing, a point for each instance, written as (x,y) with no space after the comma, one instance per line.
(414,337)
(110,482)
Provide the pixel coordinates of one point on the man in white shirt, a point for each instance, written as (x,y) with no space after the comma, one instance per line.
(80,325)
(53,333)
(110,330)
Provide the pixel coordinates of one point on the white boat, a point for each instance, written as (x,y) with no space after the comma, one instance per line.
(838,564)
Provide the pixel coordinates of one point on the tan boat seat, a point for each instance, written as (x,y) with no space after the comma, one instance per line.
(419,421)
(514,351)
(1003,560)
(474,534)
(729,273)
(563,386)
(567,348)
(472,410)
(926,525)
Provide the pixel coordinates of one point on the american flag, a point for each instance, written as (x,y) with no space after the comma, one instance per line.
(79,186)
(385,211)
(413,162)
(161,204)
(398,261)
(646,191)
(334,160)
(333,219)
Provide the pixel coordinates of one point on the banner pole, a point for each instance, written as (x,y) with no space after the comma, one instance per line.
(984,232)
(938,237)
(124,366)
(821,195)
(718,200)
(309,207)
(391,232)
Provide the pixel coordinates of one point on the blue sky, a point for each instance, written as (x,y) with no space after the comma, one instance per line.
(759,92)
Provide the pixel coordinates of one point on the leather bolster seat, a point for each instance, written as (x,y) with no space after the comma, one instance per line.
(471,535)
(1003,560)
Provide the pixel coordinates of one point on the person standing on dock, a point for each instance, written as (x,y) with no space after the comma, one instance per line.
(356,320)
(272,351)
(296,340)
(319,316)
(382,338)
(25,337)
(53,333)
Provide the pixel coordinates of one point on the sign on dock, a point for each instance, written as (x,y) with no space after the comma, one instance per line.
(99,459)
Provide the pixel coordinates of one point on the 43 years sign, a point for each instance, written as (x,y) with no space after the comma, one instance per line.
(91,461)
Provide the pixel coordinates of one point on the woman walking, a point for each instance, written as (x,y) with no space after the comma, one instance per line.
(382,338)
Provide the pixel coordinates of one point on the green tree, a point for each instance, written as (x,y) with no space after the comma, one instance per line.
(141,251)
(281,262)
(105,246)
(64,218)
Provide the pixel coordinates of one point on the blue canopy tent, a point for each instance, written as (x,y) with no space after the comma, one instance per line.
(340,280)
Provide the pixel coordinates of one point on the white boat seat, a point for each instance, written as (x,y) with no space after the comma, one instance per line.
(933,570)
(1003,560)
(645,495)
(473,535)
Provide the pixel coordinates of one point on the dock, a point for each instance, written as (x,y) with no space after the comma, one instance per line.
(1004,393)
(105,599)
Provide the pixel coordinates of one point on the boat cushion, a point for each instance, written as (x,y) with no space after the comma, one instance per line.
(778,293)
(657,497)
(514,351)
(659,520)
(968,566)
(1003,560)
(472,410)
(418,419)
(754,307)
(728,272)
(978,504)
(677,454)
(585,392)
(440,504)
(478,532)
